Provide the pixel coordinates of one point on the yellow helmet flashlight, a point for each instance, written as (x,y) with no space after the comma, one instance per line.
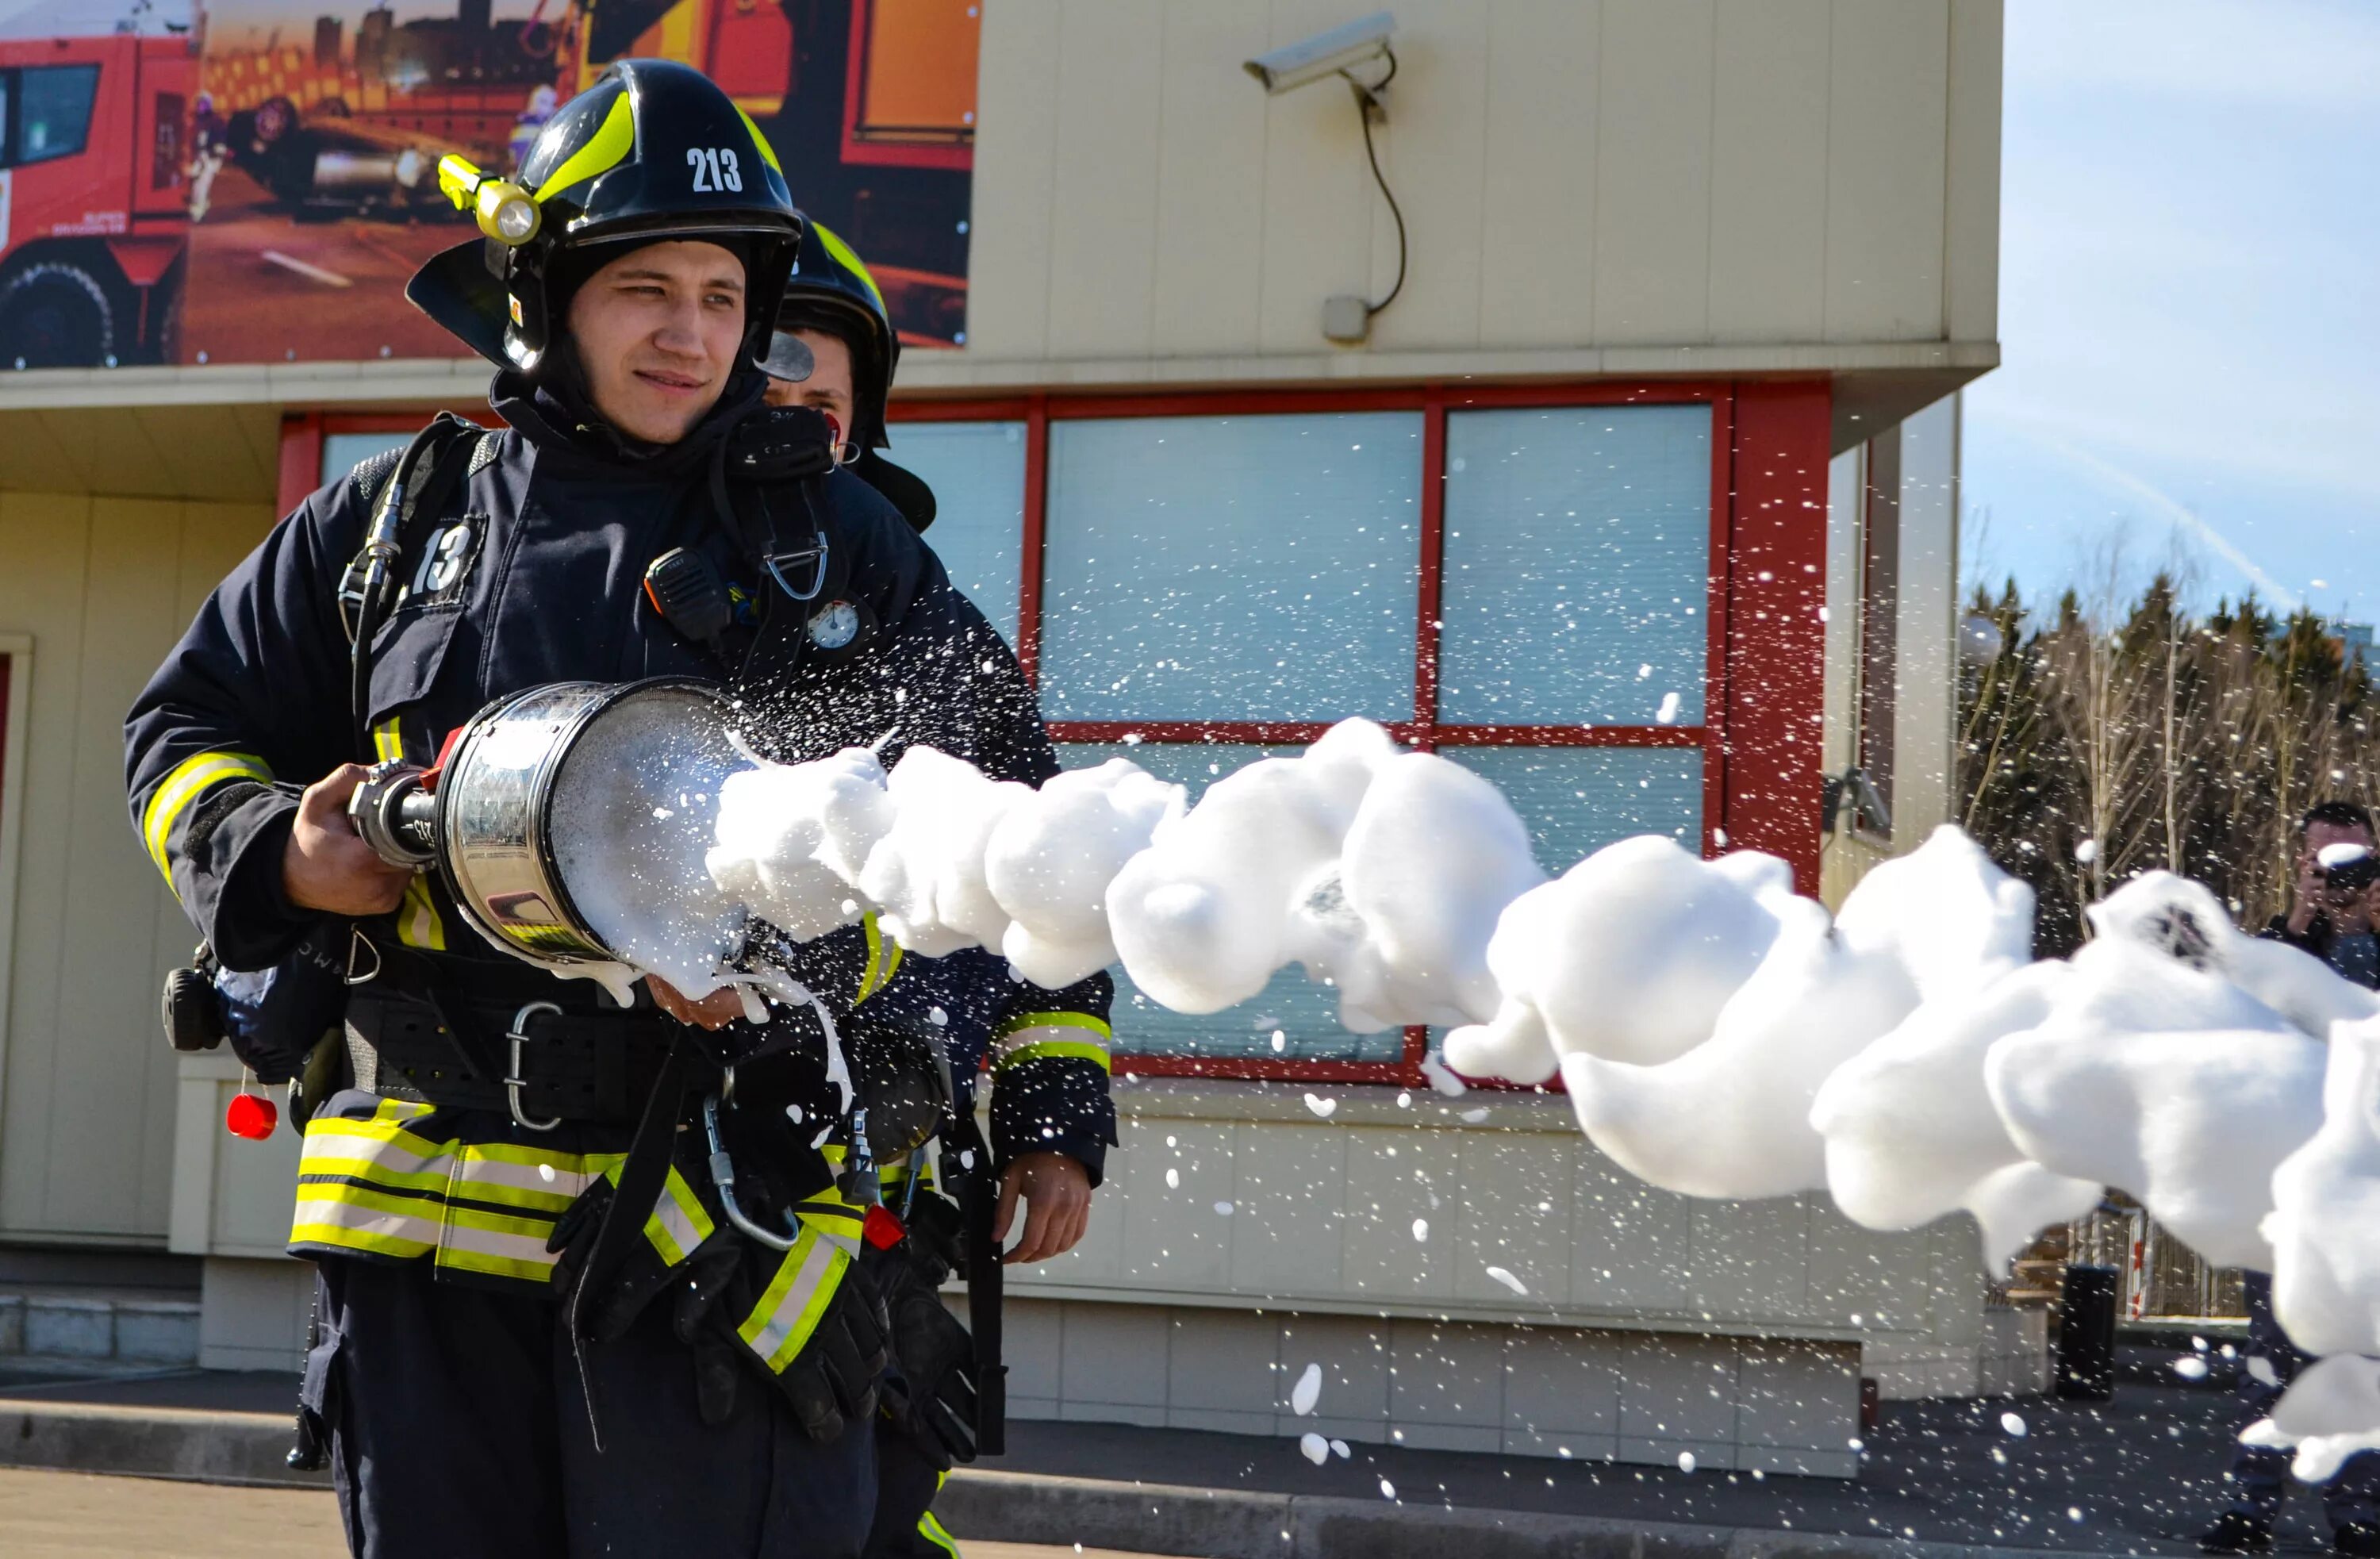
(505,211)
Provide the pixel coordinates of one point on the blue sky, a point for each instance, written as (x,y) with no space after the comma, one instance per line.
(2190,299)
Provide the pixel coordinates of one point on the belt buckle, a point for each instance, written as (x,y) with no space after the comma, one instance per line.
(515,1038)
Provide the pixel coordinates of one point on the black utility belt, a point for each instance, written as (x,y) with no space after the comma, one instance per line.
(531,1060)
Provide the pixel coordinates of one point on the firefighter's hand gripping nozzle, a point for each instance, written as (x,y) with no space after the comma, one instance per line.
(395,812)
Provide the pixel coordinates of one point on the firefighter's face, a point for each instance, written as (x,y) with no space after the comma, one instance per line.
(830,389)
(657,331)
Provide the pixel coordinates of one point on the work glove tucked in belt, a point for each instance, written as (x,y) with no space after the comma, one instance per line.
(807,1317)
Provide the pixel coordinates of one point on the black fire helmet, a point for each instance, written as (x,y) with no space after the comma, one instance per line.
(831,291)
(653,150)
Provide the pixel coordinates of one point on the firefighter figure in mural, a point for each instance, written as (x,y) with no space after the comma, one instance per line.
(541,1328)
(836,352)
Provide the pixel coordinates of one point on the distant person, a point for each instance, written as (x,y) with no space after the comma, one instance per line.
(209,144)
(2330,917)
(2330,906)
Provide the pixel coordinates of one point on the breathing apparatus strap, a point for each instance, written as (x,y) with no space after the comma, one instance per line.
(367,587)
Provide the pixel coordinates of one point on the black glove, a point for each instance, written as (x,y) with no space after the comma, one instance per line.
(930,1395)
(719,1355)
(832,1379)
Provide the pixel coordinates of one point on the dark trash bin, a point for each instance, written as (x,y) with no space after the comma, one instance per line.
(2086,1332)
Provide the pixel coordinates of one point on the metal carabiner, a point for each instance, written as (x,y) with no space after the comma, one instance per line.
(723,1177)
(776,563)
(514,1082)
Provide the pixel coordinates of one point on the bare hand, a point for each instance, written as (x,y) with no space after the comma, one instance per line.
(717,1010)
(1057,1194)
(2307,902)
(325,866)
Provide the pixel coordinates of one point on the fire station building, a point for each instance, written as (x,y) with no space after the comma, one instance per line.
(1637,495)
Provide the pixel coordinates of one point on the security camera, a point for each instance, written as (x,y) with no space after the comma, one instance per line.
(1325,54)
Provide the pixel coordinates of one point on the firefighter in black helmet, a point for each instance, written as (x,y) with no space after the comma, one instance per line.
(541,1329)
(835,349)
(832,304)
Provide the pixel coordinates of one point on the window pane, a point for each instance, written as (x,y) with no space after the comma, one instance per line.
(53,111)
(1577,800)
(344,452)
(1305,1014)
(976,470)
(1577,566)
(1232,568)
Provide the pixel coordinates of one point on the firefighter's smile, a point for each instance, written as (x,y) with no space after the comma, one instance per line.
(669,383)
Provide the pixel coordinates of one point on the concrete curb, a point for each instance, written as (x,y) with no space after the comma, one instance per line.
(250,1448)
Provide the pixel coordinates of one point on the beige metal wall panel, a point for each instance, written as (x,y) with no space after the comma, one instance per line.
(1433,146)
(1103,213)
(88,1095)
(1016,139)
(1317,190)
(1653,187)
(1210,168)
(1768,178)
(1972,228)
(1886,154)
(1537,186)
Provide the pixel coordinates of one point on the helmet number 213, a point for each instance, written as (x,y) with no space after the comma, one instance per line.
(714,169)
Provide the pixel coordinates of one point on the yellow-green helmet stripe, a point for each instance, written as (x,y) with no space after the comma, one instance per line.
(768,152)
(605,150)
(844,255)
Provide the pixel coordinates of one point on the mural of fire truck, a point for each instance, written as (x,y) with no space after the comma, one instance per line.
(93,215)
(870,104)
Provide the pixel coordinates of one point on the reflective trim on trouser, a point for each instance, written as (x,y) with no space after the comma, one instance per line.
(1032,1036)
(373,1186)
(931,1529)
(184,784)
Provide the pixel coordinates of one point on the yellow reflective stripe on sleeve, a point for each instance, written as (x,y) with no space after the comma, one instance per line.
(419,924)
(1033,1035)
(612,141)
(184,784)
(1044,1050)
(781,1324)
(883,960)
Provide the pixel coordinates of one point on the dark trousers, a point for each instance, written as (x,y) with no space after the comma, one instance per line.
(2261,1476)
(457,1429)
(906,1486)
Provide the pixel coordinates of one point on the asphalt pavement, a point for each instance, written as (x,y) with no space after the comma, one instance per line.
(2138,1475)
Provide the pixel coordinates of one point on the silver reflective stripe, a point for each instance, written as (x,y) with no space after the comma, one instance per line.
(788,1312)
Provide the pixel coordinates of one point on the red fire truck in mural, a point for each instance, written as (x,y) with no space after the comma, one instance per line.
(93,210)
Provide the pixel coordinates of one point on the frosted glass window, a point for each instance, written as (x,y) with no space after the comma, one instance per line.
(344,452)
(1232,568)
(1577,800)
(976,470)
(1306,1015)
(1577,566)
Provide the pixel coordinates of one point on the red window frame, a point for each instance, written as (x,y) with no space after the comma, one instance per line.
(1762,698)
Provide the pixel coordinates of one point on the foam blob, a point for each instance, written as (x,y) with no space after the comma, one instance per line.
(926,873)
(792,838)
(1951,919)
(2186,921)
(2325,1223)
(2329,1413)
(1433,856)
(1731,1117)
(1052,854)
(1201,917)
(1911,1134)
(2164,1080)
(1628,955)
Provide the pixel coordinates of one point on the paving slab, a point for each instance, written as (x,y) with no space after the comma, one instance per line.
(2138,1475)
